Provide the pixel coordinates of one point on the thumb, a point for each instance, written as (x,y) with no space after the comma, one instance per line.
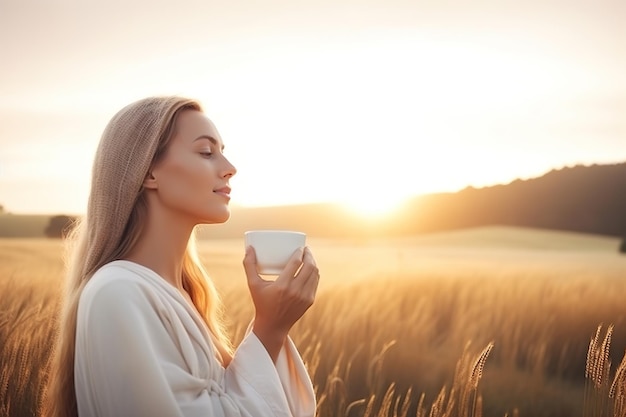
(249,265)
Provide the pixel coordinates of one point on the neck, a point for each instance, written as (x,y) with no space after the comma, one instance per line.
(162,245)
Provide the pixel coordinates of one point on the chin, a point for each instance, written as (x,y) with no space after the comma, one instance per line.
(216,218)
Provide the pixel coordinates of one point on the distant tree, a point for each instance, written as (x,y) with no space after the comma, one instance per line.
(59,226)
(622,247)
(1,209)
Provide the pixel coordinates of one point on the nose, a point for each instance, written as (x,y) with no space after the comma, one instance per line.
(229,169)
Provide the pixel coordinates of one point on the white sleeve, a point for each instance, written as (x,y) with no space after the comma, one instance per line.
(128,364)
(252,374)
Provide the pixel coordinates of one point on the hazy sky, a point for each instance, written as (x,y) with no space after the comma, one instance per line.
(363,102)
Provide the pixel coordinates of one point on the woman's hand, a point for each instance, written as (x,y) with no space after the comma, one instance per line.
(280,304)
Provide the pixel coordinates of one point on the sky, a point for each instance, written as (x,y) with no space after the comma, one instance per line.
(364,102)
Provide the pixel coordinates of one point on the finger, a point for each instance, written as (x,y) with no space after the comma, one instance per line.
(310,285)
(308,265)
(308,255)
(292,266)
(249,265)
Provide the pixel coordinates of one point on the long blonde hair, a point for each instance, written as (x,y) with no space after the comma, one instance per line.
(135,138)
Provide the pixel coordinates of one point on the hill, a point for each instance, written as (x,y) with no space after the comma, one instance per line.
(587,199)
(20,225)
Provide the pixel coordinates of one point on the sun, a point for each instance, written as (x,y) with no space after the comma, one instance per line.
(373,208)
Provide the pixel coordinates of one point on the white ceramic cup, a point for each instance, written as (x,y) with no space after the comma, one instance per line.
(273,248)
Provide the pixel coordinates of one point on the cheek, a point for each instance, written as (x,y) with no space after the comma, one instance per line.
(185,182)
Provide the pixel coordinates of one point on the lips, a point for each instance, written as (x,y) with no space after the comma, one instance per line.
(224,191)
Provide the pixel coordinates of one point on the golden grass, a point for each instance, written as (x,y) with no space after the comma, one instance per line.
(399,328)
(604,398)
(29,286)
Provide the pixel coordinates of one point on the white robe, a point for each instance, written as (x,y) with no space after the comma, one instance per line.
(143,350)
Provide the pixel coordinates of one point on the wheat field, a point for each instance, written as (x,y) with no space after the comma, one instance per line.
(489,322)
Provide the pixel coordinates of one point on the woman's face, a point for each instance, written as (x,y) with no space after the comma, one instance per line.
(191,179)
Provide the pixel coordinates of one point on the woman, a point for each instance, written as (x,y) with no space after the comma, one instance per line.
(140,333)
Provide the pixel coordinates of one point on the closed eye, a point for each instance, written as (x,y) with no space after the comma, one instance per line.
(206,154)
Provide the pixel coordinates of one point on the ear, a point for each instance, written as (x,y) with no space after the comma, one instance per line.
(150,182)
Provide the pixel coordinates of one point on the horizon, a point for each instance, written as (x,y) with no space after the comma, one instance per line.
(365,214)
(363,105)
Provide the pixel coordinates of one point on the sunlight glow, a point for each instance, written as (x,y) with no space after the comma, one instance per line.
(374,208)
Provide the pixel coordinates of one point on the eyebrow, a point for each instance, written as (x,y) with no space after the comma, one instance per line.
(210,138)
